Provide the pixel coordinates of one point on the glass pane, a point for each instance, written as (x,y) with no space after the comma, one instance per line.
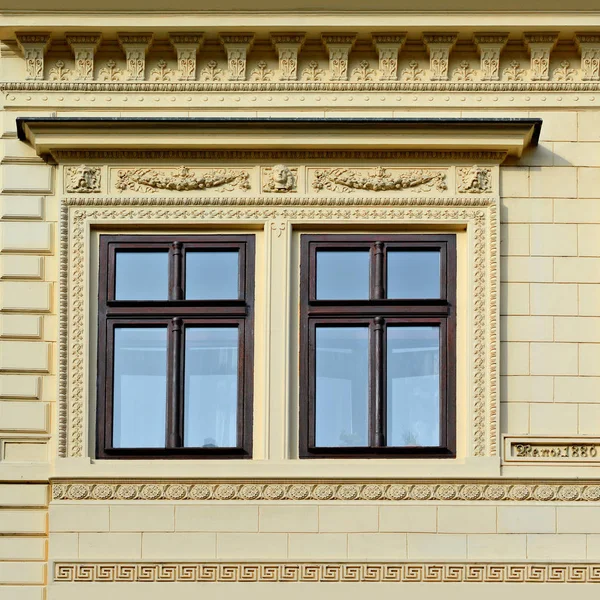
(142,276)
(343,275)
(342,386)
(413,274)
(211,387)
(140,387)
(413,386)
(212,275)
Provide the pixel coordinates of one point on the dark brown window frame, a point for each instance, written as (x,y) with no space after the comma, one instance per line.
(376,313)
(176,313)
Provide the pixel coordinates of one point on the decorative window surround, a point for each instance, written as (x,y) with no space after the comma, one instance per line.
(388,46)
(446,140)
(135,46)
(187,46)
(540,47)
(34,47)
(237,46)
(490,46)
(339,45)
(84,46)
(589,47)
(288,46)
(439,46)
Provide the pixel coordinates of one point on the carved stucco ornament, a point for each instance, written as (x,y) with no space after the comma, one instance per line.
(589,46)
(540,46)
(379,180)
(83,180)
(474,180)
(182,180)
(34,47)
(279,179)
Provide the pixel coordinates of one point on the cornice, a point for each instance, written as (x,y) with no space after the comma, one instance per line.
(327,572)
(466,490)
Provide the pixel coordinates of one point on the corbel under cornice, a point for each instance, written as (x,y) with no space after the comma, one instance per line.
(52,135)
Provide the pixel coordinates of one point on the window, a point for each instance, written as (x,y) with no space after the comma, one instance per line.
(175,346)
(377,345)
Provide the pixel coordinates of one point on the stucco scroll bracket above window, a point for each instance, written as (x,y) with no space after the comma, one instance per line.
(49,136)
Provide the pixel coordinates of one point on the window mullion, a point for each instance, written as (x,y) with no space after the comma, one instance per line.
(175,389)
(176,276)
(378,284)
(378,396)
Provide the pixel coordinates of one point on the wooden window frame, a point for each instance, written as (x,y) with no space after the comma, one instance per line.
(176,313)
(376,313)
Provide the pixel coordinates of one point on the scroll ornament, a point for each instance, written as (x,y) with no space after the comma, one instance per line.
(182,180)
(379,180)
(83,180)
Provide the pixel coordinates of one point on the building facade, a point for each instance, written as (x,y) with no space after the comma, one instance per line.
(299,302)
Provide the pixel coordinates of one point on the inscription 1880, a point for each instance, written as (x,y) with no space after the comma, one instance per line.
(556,451)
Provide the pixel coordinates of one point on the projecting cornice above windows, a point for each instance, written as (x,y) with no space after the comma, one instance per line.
(53,135)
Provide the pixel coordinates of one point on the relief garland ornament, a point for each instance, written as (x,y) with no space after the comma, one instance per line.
(379,180)
(182,180)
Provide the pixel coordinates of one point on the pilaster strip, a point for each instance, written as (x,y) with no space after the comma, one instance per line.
(135,46)
(187,46)
(34,47)
(84,46)
(540,46)
(237,46)
(339,45)
(439,46)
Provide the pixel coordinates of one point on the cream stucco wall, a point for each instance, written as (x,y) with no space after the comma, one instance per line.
(189,528)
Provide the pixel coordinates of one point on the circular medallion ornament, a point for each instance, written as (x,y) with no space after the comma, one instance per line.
(446,492)
(471,492)
(519,492)
(397,492)
(78,492)
(102,492)
(421,492)
(176,492)
(592,492)
(126,492)
(348,492)
(372,492)
(225,492)
(151,492)
(495,492)
(274,492)
(323,492)
(250,492)
(544,492)
(299,492)
(200,492)
(569,493)
(58,491)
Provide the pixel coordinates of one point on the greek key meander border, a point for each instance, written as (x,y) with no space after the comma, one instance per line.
(479,213)
(495,490)
(369,572)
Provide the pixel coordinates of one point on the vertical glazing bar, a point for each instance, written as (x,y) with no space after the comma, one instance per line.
(174,409)
(176,291)
(378,369)
(379,274)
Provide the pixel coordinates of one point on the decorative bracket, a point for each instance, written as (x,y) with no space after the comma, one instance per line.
(187,46)
(288,46)
(339,45)
(439,46)
(540,46)
(34,47)
(490,46)
(589,46)
(237,46)
(388,46)
(135,46)
(84,46)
